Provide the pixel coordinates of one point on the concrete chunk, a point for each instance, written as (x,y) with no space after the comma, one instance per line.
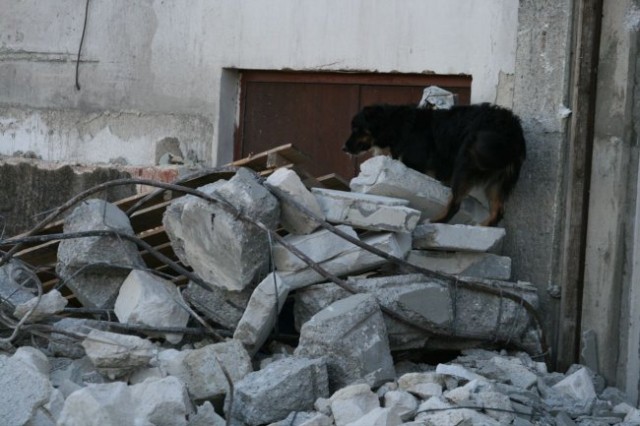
(161,402)
(106,404)
(206,416)
(95,267)
(319,246)
(428,301)
(352,335)
(402,403)
(286,385)
(24,389)
(577,386)
(382,175)
(50,303)
(442,236)
(67,346)
(261,313)
(203,369)
(146,299)
(116,355)
(18,284)
(364,211)
(223,306)
(479,265)
(378,417)
(352,402)
(292,219)
(222,249)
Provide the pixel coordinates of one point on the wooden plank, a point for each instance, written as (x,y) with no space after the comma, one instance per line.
(576,205)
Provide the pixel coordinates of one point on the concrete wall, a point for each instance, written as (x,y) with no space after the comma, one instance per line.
(533,217)
(152,69)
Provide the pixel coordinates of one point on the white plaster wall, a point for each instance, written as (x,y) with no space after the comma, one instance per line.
(163,61)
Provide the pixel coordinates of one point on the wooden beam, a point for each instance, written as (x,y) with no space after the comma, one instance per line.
(585,66)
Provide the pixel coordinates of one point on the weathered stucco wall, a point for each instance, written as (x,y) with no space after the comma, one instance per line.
(154,69)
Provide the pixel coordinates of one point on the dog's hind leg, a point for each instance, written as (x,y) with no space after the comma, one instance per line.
(497,190)
(496,196)
(460,187)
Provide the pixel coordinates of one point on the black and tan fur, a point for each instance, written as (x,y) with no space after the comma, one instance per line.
(463,147)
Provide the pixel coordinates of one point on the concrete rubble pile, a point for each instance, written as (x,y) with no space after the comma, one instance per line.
(341,368)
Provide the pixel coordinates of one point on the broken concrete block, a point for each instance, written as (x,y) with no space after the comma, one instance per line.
(32,357)
(319,246)
(50,303)
(577,386)
(67,346)
(402,403)
(365,211)
(423,385)
(378,417)
(224,307)
(352,335)
(146,299)
(356,260)
(161,402)
(515,372)
(24,389)
(496,400)
(434,412)
(95,267)
(457,371)
(478,265)
(428,301)
(18,284)
(221,249)
(305,418)
(206,416)
(442,236)
(382,175)
(203,369)
(104,404)
(292,219)
(268,395)
(352,402)
(116,355)
(261,313)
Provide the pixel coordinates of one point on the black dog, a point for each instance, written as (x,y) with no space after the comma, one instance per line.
(463,147)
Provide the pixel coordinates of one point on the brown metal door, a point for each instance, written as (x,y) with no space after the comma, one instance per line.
(313,111)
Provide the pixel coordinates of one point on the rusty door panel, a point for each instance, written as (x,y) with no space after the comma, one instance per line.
(314,117)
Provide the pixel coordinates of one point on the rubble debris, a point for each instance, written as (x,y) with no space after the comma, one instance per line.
(116,355)
(25,388)
(344,367)
(146,299)
(18,284)
(352,335)
(442,236)
(352,402)
(430,302)
(208,370)
(222,250)
(270,394)
(319,246)
(41,307)
(95,267)
(382,175)
(366,211)
(478,265)
(291,219)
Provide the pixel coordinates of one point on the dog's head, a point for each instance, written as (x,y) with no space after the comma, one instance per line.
(364,126)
